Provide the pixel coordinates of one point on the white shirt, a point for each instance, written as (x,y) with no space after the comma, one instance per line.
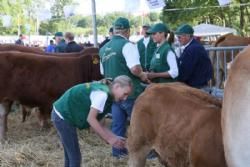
(98,99)
(173,68)
(146,41)
(130,53)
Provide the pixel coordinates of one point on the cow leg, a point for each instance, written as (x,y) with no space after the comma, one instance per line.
(3,123)
(26,111)
(4,111)
(137,158)
(43,116)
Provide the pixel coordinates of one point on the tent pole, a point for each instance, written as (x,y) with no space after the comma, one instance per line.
(94,22)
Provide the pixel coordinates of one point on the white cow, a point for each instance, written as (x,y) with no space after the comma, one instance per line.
(236,112)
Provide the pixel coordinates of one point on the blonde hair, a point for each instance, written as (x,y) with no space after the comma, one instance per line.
(122,80)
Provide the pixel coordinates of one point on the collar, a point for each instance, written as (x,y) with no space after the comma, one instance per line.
(121,36)
(187,43)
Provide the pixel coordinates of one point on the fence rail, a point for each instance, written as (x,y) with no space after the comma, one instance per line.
(220,57)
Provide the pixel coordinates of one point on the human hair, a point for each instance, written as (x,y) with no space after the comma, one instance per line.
(123,81)
(171,37)
(123,32)
(70,36)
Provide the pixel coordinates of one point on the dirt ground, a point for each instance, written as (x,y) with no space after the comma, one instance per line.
(28,146)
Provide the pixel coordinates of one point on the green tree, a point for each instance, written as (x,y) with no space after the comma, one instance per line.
(57,8)
(153,16)
(197,11)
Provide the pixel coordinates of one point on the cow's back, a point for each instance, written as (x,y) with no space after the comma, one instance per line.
(20,48)
(29,78)
(174,119)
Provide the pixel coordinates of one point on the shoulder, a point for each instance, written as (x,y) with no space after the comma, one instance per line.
(129,45)
(140,41)
(194,46)
(100,94)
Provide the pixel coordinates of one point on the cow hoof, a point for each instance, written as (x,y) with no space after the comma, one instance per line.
(45,126)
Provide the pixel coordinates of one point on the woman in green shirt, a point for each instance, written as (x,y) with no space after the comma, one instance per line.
(163,65)
(83,106)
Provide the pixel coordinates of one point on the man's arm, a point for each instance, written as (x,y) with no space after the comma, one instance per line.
(132,58)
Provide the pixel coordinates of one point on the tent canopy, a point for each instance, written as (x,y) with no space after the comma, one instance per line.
(212,30)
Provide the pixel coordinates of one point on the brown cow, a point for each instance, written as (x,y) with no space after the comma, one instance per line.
(181,124)
(24,49)
(20,48)
(35,50)
(236,112)
(226,41)
(39,80)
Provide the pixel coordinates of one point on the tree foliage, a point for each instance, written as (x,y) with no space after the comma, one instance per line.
(194,12)
(57,8)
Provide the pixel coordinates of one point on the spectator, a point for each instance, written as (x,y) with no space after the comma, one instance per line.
(83,106)
(71,46)
(60,43)
(121,57)
(195,68)
(107,39)
(146,47)
(20,40)
(51,47)
(163,66)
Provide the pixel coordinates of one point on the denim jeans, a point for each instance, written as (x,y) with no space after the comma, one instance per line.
(69,139)
(121,112)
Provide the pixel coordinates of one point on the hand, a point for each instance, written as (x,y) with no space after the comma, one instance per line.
(150,75)
(144,77)
(117,142)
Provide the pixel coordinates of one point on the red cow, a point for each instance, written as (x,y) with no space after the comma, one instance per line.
(39,80)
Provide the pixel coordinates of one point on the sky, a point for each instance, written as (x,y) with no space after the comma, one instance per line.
(105,6)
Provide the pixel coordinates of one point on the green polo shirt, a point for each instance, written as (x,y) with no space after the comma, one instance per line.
(74,104)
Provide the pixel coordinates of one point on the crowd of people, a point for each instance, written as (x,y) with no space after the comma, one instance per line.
(127,69)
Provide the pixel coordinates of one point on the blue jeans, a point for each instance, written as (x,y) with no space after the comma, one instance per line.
(69,139)
(121,111)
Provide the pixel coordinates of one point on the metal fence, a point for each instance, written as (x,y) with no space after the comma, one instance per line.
(220,57)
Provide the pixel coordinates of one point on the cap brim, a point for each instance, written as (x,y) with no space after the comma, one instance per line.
(151,31)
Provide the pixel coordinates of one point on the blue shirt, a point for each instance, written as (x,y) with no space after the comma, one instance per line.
(50,49)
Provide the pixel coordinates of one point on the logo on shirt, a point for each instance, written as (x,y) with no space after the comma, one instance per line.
(108,56)
(95,60)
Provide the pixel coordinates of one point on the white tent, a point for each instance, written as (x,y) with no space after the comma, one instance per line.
(212,30)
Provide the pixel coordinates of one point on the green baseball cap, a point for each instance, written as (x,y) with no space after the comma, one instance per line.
(58,34)
(184,29)
(159,27)
(121,23)
(146,26)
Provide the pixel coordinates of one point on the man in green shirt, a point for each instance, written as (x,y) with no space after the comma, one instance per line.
(146,47)
(84,105)
(120,57)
